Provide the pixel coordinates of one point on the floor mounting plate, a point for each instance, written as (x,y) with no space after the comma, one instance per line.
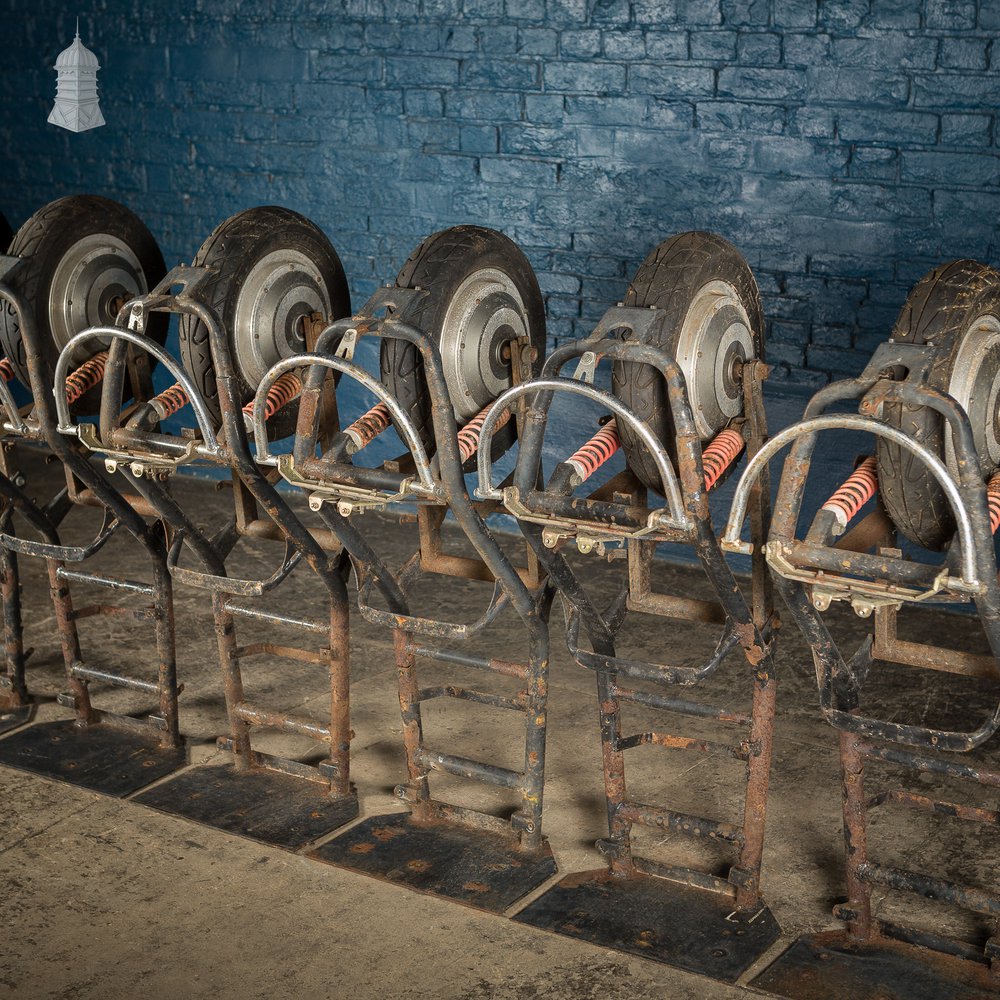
(267,806)
(478,868)
(111,761)
(829,966)
(692,929)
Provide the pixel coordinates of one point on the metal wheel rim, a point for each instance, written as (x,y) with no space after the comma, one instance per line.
(974,382)
(485,314)
(90,277)
(714,337)
(281,290)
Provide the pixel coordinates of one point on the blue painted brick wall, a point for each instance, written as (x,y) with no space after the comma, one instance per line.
(846,147)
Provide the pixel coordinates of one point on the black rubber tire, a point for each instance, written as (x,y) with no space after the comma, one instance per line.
(233,250)
(669,279)
(440,264)
(45,239)
(938,310)
(6,233)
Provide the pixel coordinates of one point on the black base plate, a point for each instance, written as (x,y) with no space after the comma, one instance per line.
(112,761)
(481,869)
(665,921)
(830,966)
(268,806)
(11,718)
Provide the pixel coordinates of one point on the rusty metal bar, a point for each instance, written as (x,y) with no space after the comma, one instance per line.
(117,680)
(931,765)
(285,652)
(888,646)
(518,703)
(280,765)
(680,822)
(297,725)
(679,705)
(504,667)
(940,890)
(245,610)
(465,767)
(673,742)
(102,580)
(146,613)
(922,803)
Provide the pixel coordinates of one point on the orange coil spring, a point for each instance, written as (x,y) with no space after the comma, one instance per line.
(993,498)
(588,459)
(857,490)
(720,454)
(6,370)
(468,436)
(86,376)
(170,401)
(284,390)
(369,425)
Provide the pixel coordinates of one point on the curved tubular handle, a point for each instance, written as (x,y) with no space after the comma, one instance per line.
(227,584)
(452,481)
(70,456)
(410,437)
(366,579)
(671,487)
(854,422)
(65,422)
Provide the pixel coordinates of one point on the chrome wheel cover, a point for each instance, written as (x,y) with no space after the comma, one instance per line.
(714,339)
(281,290)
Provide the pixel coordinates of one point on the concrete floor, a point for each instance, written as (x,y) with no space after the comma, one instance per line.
(106,898)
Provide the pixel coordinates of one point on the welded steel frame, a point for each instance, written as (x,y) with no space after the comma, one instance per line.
(338,489)
(87,487)
(810,574)
(619,514)
(148,458)
(16,703)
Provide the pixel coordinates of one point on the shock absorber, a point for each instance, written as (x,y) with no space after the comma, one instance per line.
(362,432)
(468,436)
(720,455)
(284,390)
(86,376)
(993,499)
(169,402)
(586,460)
(855,492)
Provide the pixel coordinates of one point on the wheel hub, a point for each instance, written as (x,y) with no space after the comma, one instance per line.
(93,276)
(713,344)
(485,314)
(277,298)
(975,385)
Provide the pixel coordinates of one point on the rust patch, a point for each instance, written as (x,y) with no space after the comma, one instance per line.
(386,833)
